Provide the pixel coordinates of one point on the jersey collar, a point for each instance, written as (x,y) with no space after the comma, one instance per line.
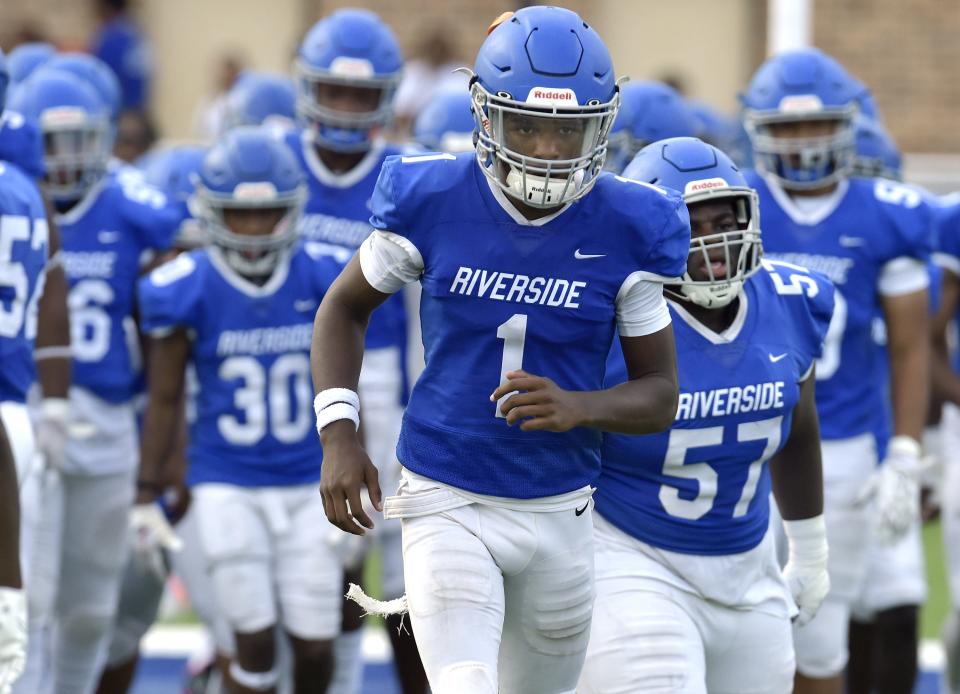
(504,201)
(814,214)
(76,212)
(245,286)
(722,338)
(336,180)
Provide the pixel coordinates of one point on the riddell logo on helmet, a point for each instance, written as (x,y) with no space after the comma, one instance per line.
(543,95)
(801,102)
(703,185)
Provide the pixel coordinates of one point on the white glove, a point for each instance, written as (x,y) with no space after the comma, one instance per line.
(13,636)
(53,426)
(806,569)
(152,534)
(895,489)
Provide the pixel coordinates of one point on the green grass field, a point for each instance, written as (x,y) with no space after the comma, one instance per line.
(938,600)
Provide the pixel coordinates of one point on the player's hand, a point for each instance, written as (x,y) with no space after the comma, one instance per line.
(806,569)
(538,403)
(895,490)
(13,636)
(52,428)
(346,470)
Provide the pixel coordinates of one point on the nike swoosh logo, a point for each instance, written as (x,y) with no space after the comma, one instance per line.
(777,358)
(304,305)
(108,236)
(587,256)
(579,511)
(851,241)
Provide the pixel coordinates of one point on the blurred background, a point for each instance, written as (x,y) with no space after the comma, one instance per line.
(189,52)
(176,60)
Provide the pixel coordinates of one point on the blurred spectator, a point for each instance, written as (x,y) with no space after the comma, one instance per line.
(136,134)
(209,116)
(119,43)
(431,69)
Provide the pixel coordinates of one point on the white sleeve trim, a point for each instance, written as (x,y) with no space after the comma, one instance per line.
(903,275)
(389,261)
(641,308)
(947,262)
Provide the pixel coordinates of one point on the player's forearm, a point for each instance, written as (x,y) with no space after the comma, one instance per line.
(9,516)
(910,386)
(644,405)
(336,350)
(796,472)
(944,383)
(53,336)
(160,434)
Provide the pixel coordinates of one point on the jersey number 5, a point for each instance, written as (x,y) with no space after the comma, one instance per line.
(683,441)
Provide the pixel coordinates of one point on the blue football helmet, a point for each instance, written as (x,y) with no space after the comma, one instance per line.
(543,65)
(877,153)
(96,73)
(249,168)
(174,171)
(446,123)
(350,48)
(76,131)
(804,85)
(705,174)
(651,111)
(26,58)
(260,98)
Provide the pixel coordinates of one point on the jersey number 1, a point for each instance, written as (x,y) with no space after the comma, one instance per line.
(514,334)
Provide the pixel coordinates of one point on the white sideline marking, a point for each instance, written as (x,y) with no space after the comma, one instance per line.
(166,641)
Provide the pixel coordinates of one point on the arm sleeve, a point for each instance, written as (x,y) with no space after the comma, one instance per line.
(389,261)
(169,297)
(641,308)
(903,275)
(667,258)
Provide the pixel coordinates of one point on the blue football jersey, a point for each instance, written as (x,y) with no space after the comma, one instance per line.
(21,144)
(23,256)
(703,486)
(498,296)
(254,423)
(337,212)
(105,237)
(873,222)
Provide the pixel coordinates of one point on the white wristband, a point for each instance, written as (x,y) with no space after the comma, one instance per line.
(807,539)
(904,445)
(337,411)
(331,396)
(53,352)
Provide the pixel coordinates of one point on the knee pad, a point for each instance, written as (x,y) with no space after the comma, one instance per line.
(557,613)
(257,681)
(821,645)
(473,677)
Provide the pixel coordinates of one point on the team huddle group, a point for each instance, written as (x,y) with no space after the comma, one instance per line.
(667,433)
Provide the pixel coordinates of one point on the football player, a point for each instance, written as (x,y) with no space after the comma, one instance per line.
(649,111)
(445,124)
(23,258)
(261,98)
(688,584)
(13,604)
(347,71)
(884,629)
(946,387)
(107,226)
(529,259)
(871,238)
(240,311)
